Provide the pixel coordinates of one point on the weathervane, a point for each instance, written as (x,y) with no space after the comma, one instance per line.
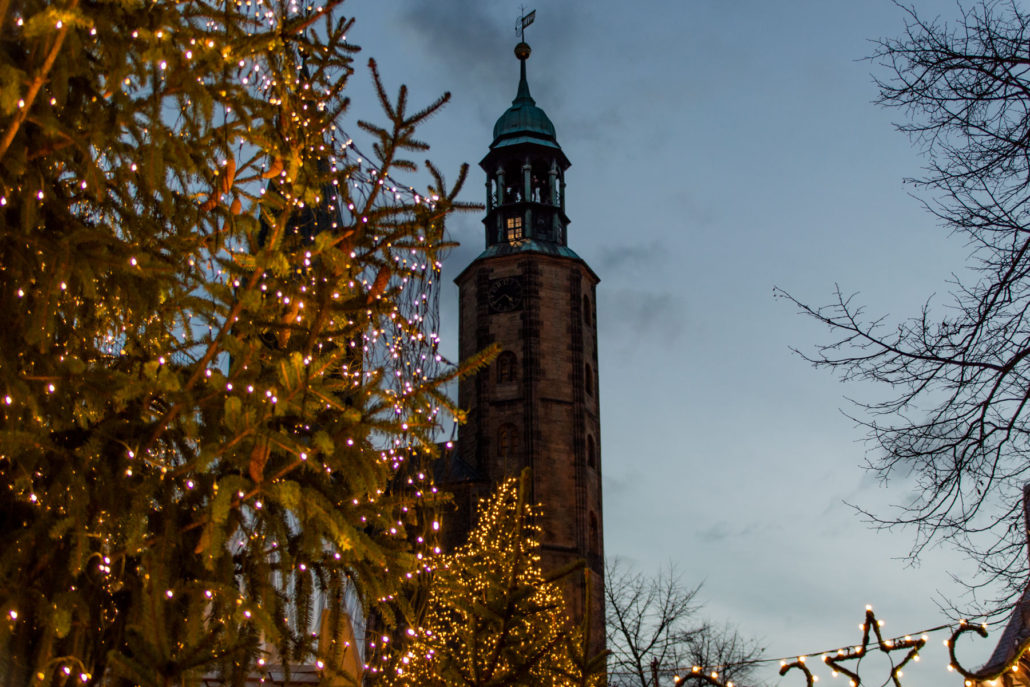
(524,21)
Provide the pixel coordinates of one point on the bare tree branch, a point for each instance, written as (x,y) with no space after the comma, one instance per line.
(959,372)
(653,629)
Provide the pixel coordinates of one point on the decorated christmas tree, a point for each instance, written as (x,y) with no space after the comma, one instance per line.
(493,616)
(219,383)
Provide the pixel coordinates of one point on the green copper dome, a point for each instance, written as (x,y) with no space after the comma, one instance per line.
(523,122)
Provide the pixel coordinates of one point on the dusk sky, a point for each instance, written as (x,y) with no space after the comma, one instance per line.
(719,148)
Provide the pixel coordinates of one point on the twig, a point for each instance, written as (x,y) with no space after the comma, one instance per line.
(37,82)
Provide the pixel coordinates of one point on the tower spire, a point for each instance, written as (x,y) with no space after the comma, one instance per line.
(525,168)
(522,51)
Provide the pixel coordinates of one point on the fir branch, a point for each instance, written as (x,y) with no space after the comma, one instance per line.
(37,82)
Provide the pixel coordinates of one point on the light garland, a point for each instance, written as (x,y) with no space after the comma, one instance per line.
(493,617)
(973,677)
(833,658)
(856,653)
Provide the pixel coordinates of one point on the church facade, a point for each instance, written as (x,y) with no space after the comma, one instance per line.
(537,404)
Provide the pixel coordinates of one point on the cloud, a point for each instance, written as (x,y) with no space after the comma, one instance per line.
(463,37)
(472,42)
(723,530)
(620,487)
(716,532)
(638,258)
(631,317)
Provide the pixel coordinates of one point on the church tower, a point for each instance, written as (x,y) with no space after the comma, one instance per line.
(537,404)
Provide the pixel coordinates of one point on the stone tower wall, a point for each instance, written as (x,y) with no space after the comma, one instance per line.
(547,416)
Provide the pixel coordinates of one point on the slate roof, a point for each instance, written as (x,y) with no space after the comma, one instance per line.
(1015,638)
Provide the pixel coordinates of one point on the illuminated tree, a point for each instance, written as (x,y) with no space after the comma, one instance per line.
(218,367)
(493,617)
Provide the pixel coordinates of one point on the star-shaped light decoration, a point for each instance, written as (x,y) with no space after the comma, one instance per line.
(858,652)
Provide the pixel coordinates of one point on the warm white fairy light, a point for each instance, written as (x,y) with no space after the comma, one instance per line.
(393,349)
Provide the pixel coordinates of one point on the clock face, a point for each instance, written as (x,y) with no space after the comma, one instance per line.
(504,295)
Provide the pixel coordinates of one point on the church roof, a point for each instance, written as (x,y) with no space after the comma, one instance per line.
(528,245)
(1015,639)
(524,122)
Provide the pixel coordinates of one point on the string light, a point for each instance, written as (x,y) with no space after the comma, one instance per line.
(184,367)
(833,658)
(491,613)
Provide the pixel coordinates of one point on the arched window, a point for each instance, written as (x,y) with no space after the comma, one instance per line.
(506,367)
(588,379)
(514,229)
(507,441)
(591,453)
(586,310)
(508,448)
